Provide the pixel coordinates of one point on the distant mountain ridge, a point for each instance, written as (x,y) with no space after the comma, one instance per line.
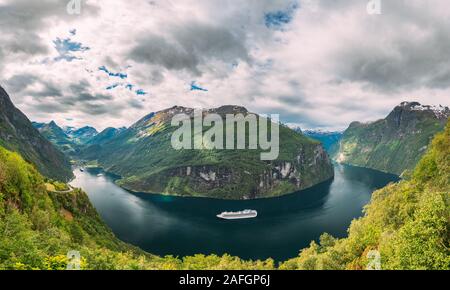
(71,140)
(393,144)
(18,134)
(143,156)
(82,135)
(105,136)
(329,139)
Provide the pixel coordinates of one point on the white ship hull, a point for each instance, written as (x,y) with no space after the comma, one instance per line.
(248,214)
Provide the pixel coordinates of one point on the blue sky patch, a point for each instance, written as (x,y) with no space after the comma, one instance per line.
(66,46)
(141,92)
(195,87)
(112,74)
(130,87)
(112,86)
(278,19)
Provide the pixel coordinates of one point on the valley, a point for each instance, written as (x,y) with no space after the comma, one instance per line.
(109,220)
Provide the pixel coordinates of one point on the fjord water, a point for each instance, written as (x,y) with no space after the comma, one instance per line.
(166,225)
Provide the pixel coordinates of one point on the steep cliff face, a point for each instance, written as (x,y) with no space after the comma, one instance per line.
(239,182)
(145,159)
(18,134)
(396,143)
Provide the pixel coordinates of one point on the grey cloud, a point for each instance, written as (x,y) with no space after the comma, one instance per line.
(51,99)
(295,100)
(110,63)
(63,105)
(80,93)
(401,59)
(190,46)
(135,104)
(80,87)
(299,116)
(48,107)
(101,109)
(49,90)
(89,97)
(22,20)
(156,77)
(19,83)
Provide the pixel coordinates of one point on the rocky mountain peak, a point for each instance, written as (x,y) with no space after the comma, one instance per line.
(53,125)
(407,111)
(229,109)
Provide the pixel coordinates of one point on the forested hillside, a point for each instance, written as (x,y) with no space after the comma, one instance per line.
(146,161)
(396,143)
(39,226)
(407,223)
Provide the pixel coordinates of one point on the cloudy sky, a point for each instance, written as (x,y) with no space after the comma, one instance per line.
(317,63)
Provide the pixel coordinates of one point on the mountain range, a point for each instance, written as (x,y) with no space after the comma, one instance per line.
(143,156)
(82,135)
(71,140)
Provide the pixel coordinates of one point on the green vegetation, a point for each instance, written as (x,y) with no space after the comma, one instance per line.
(38,228)
(17,134)
(330,140)
(408,223)
(394,144)
(144,158)
(56,135)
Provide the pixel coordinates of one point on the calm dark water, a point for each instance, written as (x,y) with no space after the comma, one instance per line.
(186,226)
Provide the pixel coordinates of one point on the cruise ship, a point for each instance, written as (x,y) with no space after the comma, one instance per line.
(246,214)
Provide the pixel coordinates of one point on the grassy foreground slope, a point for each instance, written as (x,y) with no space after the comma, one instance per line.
(408,223)
(38,228)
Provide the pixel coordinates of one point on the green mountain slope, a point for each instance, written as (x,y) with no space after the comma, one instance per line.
(18,134)
(144,158)
(71,140)
(56,135)
(330,140)
(394,144)
(105,136)
(408,223)
(83,135)
(38,228)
